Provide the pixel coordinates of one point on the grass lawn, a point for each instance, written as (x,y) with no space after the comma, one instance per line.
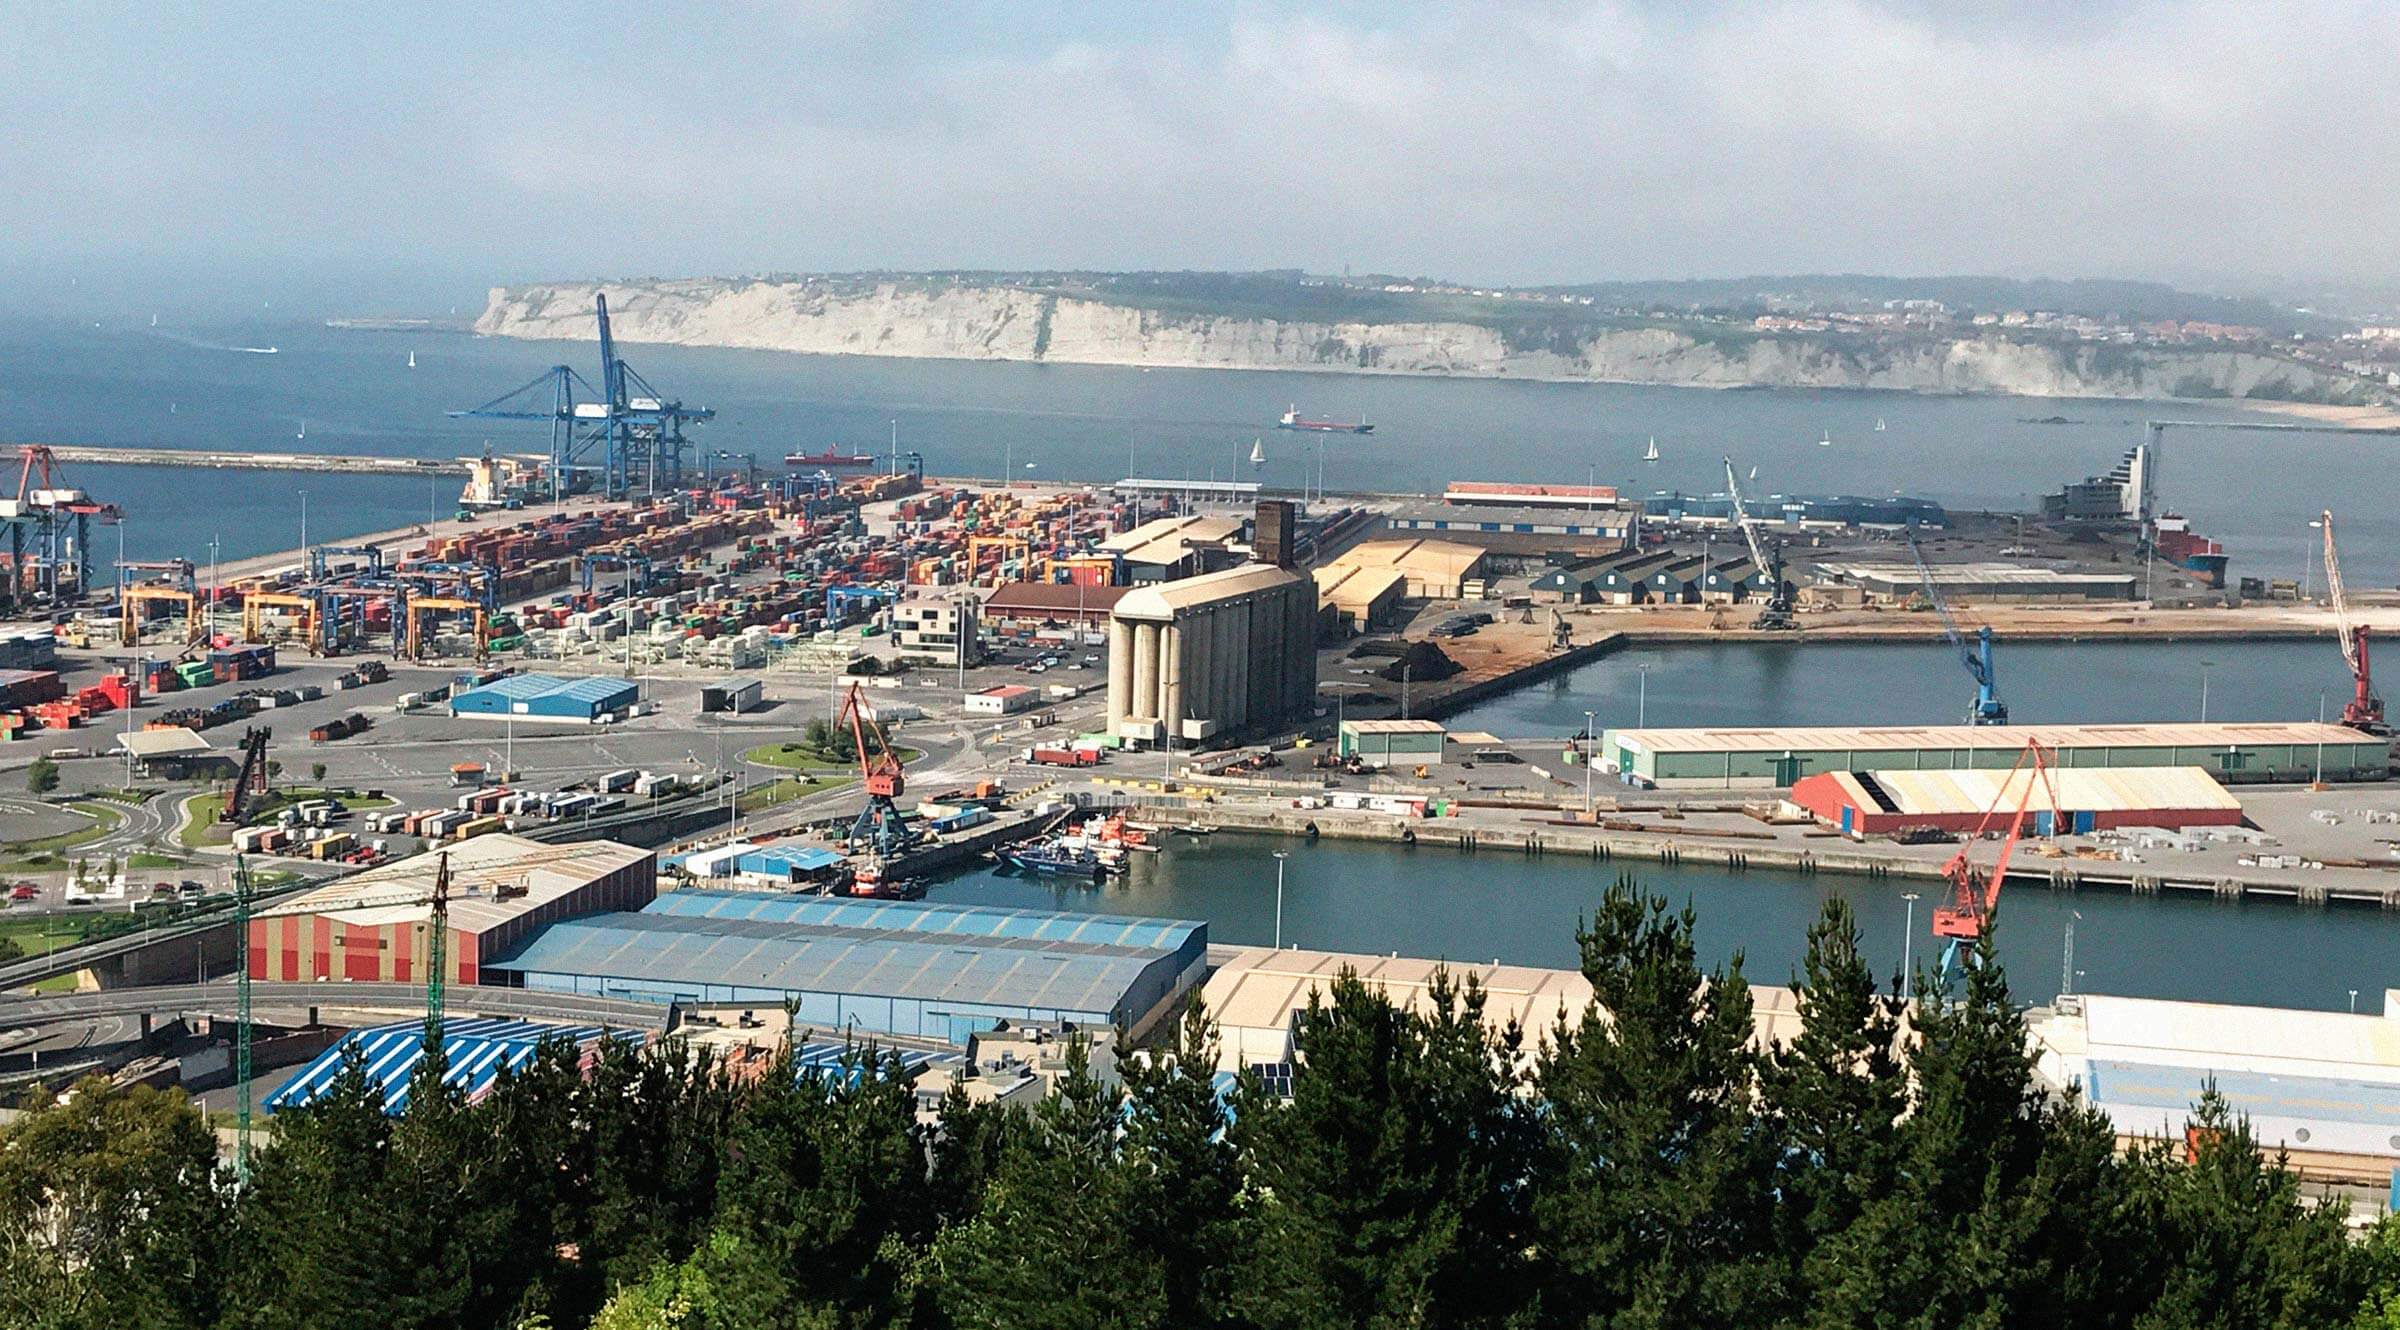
(201,826)
(781,791)
(63,931)
(801,757)
(145,859)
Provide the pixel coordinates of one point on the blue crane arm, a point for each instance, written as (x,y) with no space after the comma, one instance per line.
(557,383)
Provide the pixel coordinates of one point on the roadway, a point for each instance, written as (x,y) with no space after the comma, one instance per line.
(218,999)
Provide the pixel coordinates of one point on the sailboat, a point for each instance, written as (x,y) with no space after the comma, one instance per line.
(1879,424)
(1754,473)
(412,360)
(303,430)
(1825,440)
(154,320)
(1258,452)
(1652,455)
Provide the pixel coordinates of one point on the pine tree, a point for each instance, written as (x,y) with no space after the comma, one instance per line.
(311,1237)
(1655,1206)
(651,1139)
(1836,1092)
(1181,1201)
(111,1213)
(1389,1190)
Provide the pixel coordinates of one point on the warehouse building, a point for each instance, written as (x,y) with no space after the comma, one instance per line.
(1219,654)
(2322,1087)
(377,925)
(1257,994)
(1884,803)
(1173,548)
(1393,743)
(1979,583)
(477,1051)
(1358,599)
(883,967)
(1523,529)
(1032,606)
(1430,569)
(548,697)
(1763,759)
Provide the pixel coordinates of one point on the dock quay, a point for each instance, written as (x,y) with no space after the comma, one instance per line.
(1765,850)
(88,455)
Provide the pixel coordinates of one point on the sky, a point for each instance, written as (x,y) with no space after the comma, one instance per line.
(398,155)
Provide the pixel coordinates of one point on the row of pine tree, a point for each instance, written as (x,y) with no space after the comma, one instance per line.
(1649,1168)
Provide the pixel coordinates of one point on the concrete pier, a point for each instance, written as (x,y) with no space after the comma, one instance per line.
(87,455)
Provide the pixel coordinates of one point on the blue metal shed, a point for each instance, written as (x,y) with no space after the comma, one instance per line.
(478,1050)
(898,967)
(546,697)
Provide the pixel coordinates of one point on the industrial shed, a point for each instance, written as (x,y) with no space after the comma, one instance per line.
(889,967)
(2323,1086)
(1770,758)
(475,1051)
(1882,803)
(1358,598)
(375,925)
(1257,993)
(547,697)
(1431,569)
(1393,743)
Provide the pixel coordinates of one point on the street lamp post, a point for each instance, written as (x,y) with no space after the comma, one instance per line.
(2308,566)
(1281,855)
(1908,945)
(1641,704)
(2205,667)
(304,528)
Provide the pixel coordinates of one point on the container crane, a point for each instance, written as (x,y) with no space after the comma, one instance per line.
(1974,896)
(1776,614)
(1987,709)
(637,432)
(879,822)
(2364,710)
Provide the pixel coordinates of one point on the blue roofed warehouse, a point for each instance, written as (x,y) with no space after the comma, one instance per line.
(892,967)
(547,697)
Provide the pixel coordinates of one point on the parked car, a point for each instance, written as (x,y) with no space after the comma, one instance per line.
(23,891)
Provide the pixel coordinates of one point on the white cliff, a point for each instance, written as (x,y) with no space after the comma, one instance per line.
(961,321)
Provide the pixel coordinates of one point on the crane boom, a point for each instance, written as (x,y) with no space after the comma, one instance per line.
(1987,708)
(1777,612)
(1741,516)
(2364,710)
(1973,898)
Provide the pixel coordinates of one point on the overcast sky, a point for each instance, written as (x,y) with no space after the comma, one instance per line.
(401,149)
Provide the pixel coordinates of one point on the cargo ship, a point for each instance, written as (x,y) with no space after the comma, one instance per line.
(828,458)
(1293,420)
(2172,536)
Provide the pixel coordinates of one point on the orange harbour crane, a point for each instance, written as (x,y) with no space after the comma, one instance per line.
(878,823)
(1975,895)
(2364,710)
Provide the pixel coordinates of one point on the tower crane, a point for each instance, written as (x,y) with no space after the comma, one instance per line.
(1987,708)
(879,771)
(2364,710)
(1973,895)
(1776,614)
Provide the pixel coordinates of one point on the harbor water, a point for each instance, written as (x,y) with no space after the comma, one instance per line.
(353,391)
(1426,901)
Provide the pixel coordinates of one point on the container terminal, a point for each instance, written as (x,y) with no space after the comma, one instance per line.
(636,705)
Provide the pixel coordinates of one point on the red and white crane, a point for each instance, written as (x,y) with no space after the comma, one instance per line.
(2364,710)
(1974,895)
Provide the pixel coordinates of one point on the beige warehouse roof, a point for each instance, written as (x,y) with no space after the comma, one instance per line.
(1350,587)
(1970,574)
(2079,789)
(1165,600)
(1902,738)
(1260,988)
(1393,726)
(402,891)
(1439,560)
(1170,538)
(2262,1039)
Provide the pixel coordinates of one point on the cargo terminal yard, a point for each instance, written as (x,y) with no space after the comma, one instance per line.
(644,738)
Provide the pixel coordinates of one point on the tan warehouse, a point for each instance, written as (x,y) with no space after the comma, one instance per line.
(1217,654)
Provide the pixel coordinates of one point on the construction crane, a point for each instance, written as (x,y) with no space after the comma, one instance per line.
(1974,896)
(878,823)
(1987,708)
(2364,710)
(437,951)
(637,432)
(1776,614)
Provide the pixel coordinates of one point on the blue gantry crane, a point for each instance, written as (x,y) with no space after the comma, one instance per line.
(1987,709)
(614,439)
